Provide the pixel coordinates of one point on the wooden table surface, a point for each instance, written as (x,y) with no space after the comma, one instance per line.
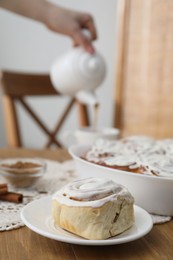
(24,244)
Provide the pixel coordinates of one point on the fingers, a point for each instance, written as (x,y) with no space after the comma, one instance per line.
(85,21)
(80,39)
(89,24)
(71,23)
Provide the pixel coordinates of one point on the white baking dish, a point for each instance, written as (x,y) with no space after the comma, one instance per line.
(153,193)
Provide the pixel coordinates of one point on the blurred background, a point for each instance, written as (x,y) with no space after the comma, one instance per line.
(28,46)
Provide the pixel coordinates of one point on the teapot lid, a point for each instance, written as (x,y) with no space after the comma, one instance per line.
(91,66)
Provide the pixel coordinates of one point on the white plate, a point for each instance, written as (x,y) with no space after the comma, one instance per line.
(37,216)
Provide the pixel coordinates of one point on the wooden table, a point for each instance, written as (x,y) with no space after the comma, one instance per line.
(24,244)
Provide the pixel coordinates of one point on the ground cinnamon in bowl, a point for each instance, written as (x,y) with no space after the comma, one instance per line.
(22,172)
(24,166)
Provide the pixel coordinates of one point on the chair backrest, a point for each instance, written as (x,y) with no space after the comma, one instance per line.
(144,74)
(16,87)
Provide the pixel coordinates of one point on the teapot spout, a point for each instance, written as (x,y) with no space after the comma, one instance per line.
(87,97)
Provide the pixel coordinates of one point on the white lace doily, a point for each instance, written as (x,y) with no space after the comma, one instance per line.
(58,174)
(160,219)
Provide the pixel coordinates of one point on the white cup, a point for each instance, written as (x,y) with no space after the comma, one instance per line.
(89,134)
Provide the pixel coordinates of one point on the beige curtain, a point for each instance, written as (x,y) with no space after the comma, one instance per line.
(144,75)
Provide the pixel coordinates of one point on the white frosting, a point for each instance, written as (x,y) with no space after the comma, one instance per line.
(161,166)
(123,160)
(91,192)
(135,151)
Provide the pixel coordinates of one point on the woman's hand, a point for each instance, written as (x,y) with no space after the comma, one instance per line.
(72,23)
(58,19)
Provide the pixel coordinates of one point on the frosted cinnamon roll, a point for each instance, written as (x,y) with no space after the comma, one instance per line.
(166,146)
(160,166)
(136,154)
(93,208)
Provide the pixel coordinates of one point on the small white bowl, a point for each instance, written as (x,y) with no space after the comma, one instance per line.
(22,172)
(152,193)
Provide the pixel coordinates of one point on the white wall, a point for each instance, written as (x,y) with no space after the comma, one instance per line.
(26,45)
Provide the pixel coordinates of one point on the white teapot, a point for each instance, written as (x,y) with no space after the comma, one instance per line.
(78,73)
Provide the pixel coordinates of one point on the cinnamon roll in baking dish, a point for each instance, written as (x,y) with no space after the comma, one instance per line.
(93,208)
(137,154)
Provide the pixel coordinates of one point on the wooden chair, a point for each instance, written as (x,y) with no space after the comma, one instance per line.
(144,74)
(16,87)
